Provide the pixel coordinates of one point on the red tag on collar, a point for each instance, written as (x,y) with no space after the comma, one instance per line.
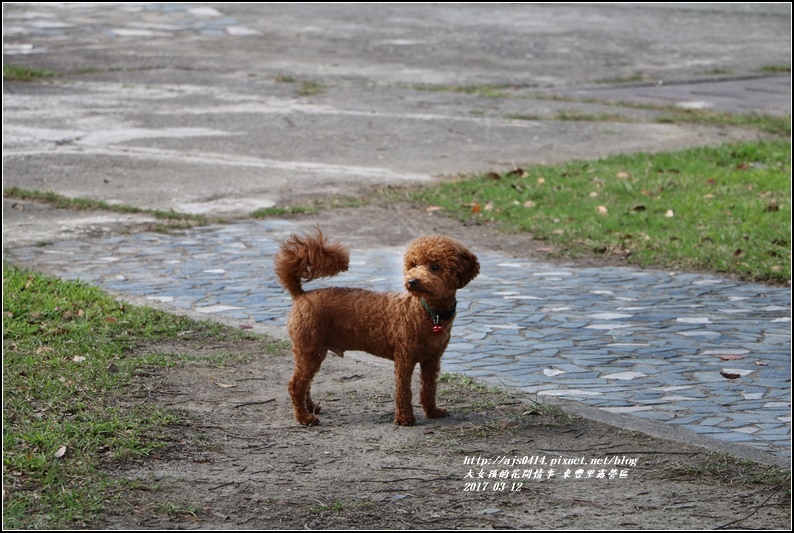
(437,329)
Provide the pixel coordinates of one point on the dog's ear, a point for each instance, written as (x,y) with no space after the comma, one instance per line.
(468,267)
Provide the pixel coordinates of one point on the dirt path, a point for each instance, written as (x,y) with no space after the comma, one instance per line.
(240,461)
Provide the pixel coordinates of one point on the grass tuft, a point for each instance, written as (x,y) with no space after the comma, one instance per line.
(170,219)
(775,125)
(20,73)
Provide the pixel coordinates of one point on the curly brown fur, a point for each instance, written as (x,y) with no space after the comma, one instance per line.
(395,326)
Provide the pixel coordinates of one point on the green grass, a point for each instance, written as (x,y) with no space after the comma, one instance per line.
(312,207)
(311,88)
(725,209)
(488,91)
(307,88)
(20,73)
(279,211)
(780,126)
(775,125)
(574,116)
(71,379)
(170,219)
(775,68)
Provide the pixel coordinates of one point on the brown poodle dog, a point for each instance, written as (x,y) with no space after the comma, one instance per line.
(408,328)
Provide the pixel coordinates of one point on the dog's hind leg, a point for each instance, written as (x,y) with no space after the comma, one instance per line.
(307,364)
(427,391)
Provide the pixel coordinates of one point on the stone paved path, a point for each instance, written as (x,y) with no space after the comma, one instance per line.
(651,344)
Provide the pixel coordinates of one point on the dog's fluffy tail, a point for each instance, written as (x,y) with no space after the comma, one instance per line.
(309,257)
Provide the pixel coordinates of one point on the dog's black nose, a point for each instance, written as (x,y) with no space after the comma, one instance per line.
(413,282)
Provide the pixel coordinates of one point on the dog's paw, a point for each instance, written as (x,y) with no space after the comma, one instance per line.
(438,412)
(405,420)
(309,420)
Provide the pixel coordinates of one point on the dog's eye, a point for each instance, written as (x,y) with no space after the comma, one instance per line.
(435,268)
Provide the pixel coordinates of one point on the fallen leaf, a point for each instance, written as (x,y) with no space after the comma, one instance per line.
(593,194)
(434,208)
(488,206)
(760,363)
(669,213)
(246,326)
(44,349)
(602,210)
(709,196)
(78,358)
(515,173)
(558,231)
(639,208)
(772,207)
(492,176)
(61,452)
(69,315)
(224,385)
(111,320)
(541,181)
(729,375)
(530,203)
(731,357)
(711,181)
(623,175)
(475,208)
(738,253)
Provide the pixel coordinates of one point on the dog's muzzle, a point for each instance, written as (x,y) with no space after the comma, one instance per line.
(413,284)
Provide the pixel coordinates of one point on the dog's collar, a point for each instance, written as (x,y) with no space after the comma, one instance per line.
(436,317)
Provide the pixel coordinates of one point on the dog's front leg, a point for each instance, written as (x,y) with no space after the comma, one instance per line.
(427,392)
(403,409)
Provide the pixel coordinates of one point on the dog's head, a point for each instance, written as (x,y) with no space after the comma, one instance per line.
(437,266)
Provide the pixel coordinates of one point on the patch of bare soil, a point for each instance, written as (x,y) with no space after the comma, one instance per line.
(240,461)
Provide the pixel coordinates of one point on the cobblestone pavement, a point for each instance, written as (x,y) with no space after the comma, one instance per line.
(699,352)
